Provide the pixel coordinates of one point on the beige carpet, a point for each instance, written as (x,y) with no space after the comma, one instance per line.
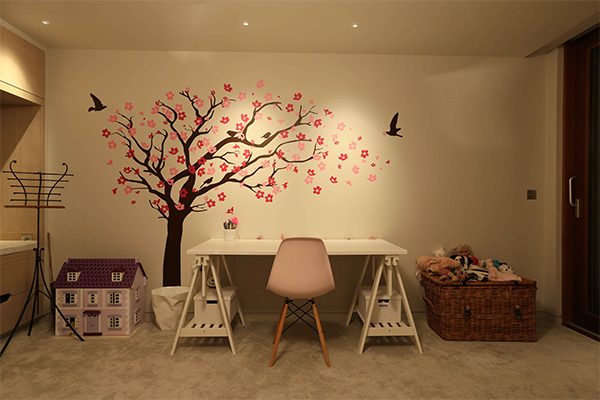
(561,365)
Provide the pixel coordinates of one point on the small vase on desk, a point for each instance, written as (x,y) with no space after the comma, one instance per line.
(230,234)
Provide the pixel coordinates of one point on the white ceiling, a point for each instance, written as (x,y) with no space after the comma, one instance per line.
(447,27)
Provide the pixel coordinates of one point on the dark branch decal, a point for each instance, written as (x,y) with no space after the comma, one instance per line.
(183,155)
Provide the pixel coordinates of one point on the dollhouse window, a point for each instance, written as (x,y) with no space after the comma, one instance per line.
(74,321)
(70,298)
(93,298)
(114,298)
(114,322)
(137,293)
(72,276)
(116,276)
(137,316)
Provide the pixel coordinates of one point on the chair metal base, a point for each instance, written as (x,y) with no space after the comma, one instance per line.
(300,313)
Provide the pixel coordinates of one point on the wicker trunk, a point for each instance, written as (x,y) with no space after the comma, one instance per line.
(485,311)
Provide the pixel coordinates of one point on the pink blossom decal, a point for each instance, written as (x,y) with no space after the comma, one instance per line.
(258,142)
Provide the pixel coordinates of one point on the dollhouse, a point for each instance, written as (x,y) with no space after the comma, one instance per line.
(100,297)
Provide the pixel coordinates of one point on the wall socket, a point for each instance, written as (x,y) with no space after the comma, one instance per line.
(27,236)
(531,194)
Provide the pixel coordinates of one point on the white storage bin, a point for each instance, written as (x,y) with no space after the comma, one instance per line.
(386,309)
(207,310)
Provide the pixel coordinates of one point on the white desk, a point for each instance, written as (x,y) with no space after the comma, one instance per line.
(209,254)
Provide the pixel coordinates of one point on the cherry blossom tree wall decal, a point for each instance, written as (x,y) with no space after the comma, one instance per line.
(184,155)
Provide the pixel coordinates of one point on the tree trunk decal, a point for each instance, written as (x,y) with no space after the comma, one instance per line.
(172,256)
(183,155)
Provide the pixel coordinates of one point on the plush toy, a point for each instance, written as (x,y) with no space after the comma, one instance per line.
(505,268)
(440,253)
(434,269)
(464,261)
(425,262)
(445,274)
(463,250)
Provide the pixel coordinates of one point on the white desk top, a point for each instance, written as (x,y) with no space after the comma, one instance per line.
(268,247)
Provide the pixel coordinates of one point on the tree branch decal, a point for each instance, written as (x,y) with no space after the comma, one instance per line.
(186,147)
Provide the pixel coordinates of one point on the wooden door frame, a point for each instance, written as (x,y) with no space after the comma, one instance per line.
(576,117)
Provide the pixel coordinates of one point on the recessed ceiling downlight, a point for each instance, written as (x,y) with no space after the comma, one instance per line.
(246,23)
(355,25)
(46,22)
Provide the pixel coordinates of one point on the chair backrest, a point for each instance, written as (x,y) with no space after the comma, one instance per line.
(301,269)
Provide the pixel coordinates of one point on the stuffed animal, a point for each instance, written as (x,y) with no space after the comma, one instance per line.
(505,268)
(424,262)
(434,269)
(440,253)
(463,250)
(464,261)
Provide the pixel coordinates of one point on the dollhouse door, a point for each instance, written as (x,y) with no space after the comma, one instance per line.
(92,327)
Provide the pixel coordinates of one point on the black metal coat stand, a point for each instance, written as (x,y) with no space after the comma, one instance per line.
(40,181)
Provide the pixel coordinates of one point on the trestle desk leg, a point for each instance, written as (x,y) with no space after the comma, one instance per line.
(239,310)
(186,306)
(221,300)
(372,301)
(356,291)
(407,307)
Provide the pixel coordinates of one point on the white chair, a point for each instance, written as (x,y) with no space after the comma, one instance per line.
(301,270)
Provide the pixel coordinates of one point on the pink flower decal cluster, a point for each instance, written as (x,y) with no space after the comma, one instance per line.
(194,149)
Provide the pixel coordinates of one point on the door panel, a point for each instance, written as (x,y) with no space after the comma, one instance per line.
(580,186)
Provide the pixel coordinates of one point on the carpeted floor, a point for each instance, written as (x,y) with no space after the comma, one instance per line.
(561,365)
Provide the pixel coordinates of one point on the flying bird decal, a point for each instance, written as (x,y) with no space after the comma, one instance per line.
(98,106)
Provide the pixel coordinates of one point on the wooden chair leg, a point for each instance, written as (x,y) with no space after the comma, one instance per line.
(320,330)
(282,315)
(279,332)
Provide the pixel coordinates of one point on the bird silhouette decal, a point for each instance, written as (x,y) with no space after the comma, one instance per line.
(394,127)
(98,106)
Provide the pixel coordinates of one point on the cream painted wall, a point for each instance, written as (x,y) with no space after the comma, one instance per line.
(474,142)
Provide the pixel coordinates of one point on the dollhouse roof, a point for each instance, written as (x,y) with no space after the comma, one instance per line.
(96,272)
